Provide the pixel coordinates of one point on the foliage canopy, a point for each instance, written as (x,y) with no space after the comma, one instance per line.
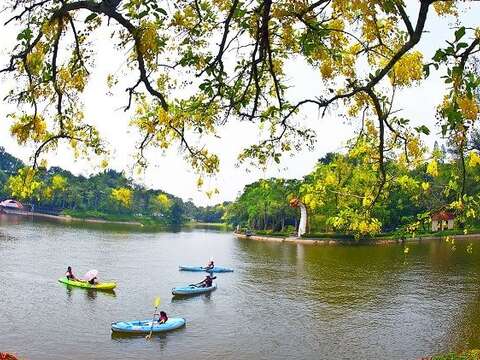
(201,63)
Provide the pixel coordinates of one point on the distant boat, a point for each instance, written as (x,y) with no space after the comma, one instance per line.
(11,206)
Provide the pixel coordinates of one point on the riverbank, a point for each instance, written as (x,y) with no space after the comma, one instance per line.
(68,218)
(204,225)
(329,241)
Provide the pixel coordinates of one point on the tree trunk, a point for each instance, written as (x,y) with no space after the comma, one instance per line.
(265,218)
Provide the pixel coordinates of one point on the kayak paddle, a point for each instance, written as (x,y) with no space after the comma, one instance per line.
(156,304)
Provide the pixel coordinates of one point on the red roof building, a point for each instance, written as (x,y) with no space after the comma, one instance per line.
(442,220)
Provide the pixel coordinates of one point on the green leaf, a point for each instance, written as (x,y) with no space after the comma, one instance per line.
(426,70)
(423,129)
(459,33)
(444,129)
(142,14)
(91,17)
(25,35)
(439,55)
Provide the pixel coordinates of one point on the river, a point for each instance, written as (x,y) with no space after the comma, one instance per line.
(283,300)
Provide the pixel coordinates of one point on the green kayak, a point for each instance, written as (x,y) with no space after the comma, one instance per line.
(86,285)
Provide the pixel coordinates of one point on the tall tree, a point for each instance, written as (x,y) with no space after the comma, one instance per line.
(235,55)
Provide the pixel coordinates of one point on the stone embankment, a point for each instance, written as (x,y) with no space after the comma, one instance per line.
(327,241)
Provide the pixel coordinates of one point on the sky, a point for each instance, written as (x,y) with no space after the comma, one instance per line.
(169,172)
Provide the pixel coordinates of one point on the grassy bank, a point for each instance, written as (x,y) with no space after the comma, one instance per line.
(205,225)
(467,355)
(97,215)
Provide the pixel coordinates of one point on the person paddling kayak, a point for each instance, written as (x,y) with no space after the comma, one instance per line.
(163,318)
(207,282)
(69,274)
(210,265)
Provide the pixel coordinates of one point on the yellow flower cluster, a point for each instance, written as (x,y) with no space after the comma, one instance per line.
(186,19)
(24,184)
(58,182)
(330,179)
(432,168)
(51,28)
(288,38)
(474,159)
(407,182)
(360,100)
(408,69)
(468,106)
(148,42)
(36,59)
(369,30)
(223,5)
(123,196)
(351,8)
(365,227)
(163,201)
(470,248)
(337,37)
(445,7)
(209,163)
(451,241)
(326,69)
(415,148)
(69,81)
(29,127)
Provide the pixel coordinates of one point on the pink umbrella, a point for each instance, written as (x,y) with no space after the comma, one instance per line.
(90,275)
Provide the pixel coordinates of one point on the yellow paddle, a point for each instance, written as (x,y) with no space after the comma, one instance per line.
(156,303)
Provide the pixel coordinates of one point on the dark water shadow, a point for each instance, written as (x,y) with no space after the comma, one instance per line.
(207,297)
(91,294)
(155,336)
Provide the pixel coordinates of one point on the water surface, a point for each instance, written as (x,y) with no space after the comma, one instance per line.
(282,301)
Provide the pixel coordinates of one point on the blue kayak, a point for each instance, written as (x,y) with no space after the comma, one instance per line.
(216,269)
(192,290)
(145,326)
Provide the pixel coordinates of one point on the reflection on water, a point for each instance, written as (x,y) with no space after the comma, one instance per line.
(282,301)
(119,227)
(207,297)
(91,294)
(156,338)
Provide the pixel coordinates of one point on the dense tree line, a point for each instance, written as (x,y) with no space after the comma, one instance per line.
(211,214)
(341,196)
(108,194)
(264,205)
